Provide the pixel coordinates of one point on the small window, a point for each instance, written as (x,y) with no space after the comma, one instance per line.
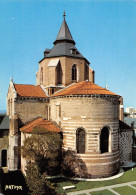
(74,73)
(80,141)
(52,90)
(73,51)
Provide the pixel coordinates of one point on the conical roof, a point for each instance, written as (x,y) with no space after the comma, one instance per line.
(64,33)
(83,88)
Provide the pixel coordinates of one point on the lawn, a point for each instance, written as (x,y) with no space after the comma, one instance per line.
(102,192)
(125,190)
(16,178)
(128,176)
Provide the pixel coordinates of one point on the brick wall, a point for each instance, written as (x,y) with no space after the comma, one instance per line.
(49,73)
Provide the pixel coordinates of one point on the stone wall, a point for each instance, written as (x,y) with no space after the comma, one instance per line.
(27,109)
(91,114)
(125,147)
(13,163)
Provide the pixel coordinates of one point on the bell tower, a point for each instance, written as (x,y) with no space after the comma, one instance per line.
(63,64)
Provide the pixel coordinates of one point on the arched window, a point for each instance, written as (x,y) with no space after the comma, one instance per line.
(59,74)
(80,141)
(4,158)
(74,73)
(104,140)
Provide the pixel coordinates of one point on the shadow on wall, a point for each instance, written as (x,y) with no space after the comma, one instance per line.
(73,166)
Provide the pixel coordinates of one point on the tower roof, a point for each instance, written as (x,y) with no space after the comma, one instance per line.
(64,33)
(64,45)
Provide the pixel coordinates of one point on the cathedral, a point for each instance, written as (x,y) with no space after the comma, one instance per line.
(66,99)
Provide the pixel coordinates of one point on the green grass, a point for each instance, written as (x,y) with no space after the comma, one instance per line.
(128,176)
(82,194)
(102,192)
(134,185)
(125,190)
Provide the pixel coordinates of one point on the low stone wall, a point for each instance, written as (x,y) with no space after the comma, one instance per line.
(92,166)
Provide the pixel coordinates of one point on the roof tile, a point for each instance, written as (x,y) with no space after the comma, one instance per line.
(48,125)
(29,90)
(83,88)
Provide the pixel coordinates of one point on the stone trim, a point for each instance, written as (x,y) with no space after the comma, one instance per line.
(109,163)
(110,157)
(98,155)
(114,97)
(32,98)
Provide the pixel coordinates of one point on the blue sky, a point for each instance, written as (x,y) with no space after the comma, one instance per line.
(104,32)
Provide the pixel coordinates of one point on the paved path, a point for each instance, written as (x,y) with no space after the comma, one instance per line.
(88,192)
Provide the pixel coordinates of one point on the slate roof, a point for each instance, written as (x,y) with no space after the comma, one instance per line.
(48,125)
(63,44)
(1,117)
(29,91)
(64,49)
(64,33)
(83,88)
(130,121)
(4,124)
(124,126)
